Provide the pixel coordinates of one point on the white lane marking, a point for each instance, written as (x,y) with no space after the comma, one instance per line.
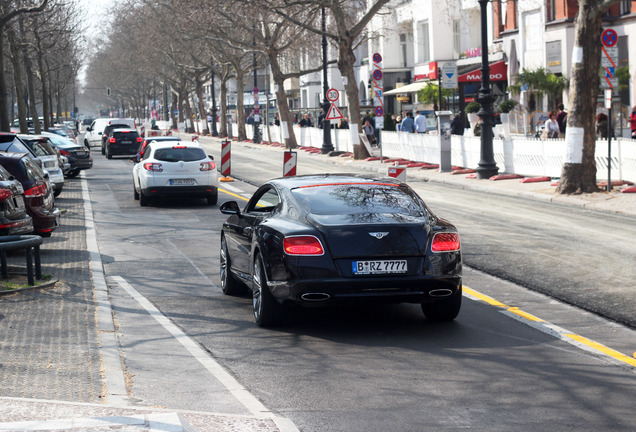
(114,378)
(229,382)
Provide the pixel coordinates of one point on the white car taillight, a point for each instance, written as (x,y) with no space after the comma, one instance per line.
(153,166)
(207,166)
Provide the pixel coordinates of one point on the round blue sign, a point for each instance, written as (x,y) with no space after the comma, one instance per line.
(377,74)
(379,111)
(609,38)
(377,58)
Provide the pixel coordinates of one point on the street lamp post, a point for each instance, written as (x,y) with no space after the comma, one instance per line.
(326,124)
(487,166)
(213,131)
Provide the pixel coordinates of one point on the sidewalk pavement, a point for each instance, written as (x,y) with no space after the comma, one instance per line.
(52,370)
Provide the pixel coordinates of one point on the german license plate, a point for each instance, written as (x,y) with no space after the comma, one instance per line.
(126,142)
(379,267)
(184,181)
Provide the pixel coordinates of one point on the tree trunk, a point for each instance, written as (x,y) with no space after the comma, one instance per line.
(240,107)
(346,60)
(30,86)
(46,109)
(578,174)
(4,112)
(204,117)
(175,105)
(223,99)
(17,80)
(283,105)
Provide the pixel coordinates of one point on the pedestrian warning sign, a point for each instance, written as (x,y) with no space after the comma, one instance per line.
(334,113)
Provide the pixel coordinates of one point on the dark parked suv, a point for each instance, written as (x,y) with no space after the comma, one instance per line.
(38,192)
(14,219)
(122,142)
(107,131)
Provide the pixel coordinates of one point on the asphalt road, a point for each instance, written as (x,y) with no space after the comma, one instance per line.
(368,368)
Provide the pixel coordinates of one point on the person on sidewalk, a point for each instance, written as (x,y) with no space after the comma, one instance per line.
(562,120)
(369,132)
(408,124)
(632,122)
(420,122)
(551,127)
(457,125)
(477,128)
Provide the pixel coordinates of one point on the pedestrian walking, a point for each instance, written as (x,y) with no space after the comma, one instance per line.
(408,124)
(369,131)
(420,122)
(457,125)
(477,127)
(632,122)
(562,120)
(551,127)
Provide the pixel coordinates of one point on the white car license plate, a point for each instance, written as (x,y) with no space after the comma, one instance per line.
(379,267)
(185,181)
(126,142)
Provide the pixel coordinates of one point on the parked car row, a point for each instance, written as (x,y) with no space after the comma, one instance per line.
(32,171)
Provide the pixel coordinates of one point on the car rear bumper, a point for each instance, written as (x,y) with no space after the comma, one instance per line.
(45,220)
(123,150)
(16,227)
(180,191)
(419,289)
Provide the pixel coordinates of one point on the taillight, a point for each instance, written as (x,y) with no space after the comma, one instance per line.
(303,245)
(445,242)
(139,139)
(5,193)
(64,153)
(179,147)
(112,140)
(38,190)
(207,166)
(153,166)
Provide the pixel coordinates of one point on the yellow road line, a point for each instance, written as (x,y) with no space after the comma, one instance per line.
(602,348)
(491,301)
(233,194)
(526,315)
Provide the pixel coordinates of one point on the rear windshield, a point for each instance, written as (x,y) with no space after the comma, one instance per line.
(359,198)
(130,135)
(185,154)
(38,148)
(34,172)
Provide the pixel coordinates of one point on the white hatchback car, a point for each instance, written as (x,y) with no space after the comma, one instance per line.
(175,169)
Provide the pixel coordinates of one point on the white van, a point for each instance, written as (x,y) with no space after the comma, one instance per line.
(93,135)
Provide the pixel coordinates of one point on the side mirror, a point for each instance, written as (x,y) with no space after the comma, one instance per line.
(88,129)
(230,208)
(211,157)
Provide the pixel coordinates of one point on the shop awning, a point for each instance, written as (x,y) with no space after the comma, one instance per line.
(409,88)
(498,72)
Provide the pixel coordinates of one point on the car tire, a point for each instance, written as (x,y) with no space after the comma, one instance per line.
(74,173)
(135,193)
(57,192)
(108,155)
(214,198)
(143,200)
(267,311)
(87,144)
(443,310)
(103,150)
(229,285)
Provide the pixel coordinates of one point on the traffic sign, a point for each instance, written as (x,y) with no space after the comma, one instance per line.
(334,113)
(377,58)
(609,38)
(449,75)
(379,111)
(377,74)
(176,112)
(609,57)
(255,90)
(333,95)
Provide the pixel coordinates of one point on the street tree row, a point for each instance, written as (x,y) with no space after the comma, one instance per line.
(39,60)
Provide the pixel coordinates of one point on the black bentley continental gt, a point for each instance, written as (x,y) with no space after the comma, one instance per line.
(321,239)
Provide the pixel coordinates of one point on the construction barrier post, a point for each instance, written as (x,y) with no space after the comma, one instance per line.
(289,163)
(226,161)
(397,171)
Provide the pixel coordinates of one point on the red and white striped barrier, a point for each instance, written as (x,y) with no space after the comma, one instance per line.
(397,171)
(226,156)
(290,159)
